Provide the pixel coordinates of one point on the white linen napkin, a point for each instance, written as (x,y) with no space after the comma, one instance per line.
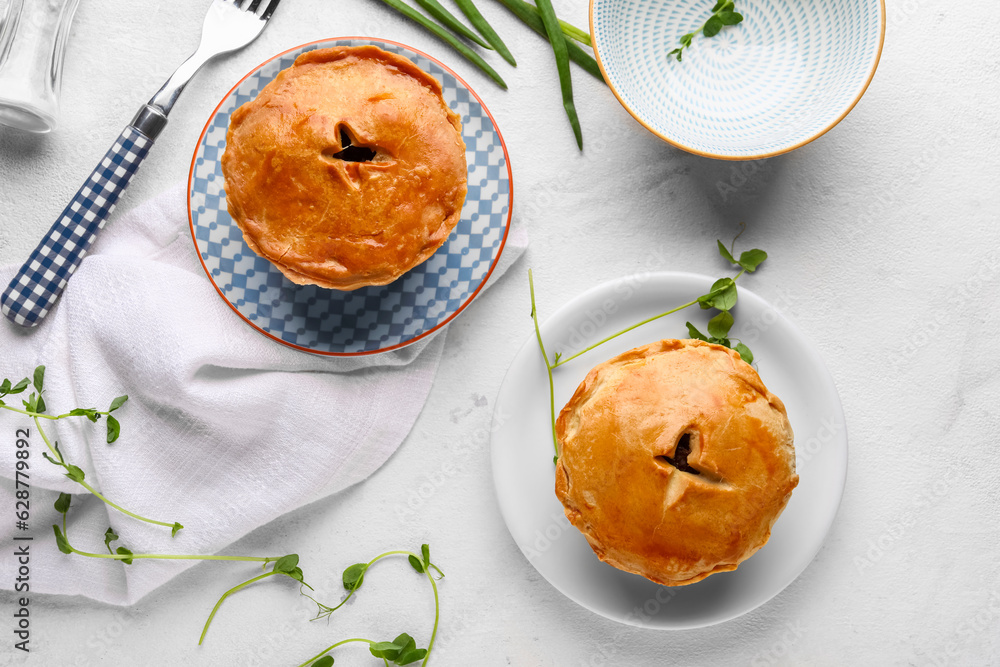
(224,429)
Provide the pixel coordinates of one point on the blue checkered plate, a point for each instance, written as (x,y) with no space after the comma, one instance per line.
(370,319)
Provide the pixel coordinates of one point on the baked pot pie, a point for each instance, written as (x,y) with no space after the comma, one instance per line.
(347,170)
(675,461)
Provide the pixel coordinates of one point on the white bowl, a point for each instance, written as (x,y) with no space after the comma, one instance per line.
(789,72)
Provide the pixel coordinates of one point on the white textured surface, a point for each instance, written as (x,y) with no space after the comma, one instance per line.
(884,243)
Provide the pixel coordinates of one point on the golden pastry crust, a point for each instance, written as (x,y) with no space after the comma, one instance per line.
(640,512)
(326,221)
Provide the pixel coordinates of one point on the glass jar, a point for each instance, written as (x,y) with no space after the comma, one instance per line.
(33,36)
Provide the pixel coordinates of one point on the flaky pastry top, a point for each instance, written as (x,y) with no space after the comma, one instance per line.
(317,213)
(675,460)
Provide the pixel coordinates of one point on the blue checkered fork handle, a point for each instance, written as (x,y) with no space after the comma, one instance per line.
(30,296)
(35,288)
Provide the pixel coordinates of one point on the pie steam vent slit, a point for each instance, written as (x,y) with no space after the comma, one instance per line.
(351,153)
(681,453)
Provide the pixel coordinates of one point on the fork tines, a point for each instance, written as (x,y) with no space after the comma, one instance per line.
(253,6)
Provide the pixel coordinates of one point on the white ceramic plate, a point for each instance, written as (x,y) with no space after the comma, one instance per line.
(523,473)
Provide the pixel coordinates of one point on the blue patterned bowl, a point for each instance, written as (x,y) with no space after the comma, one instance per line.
(784,76)
(371,319)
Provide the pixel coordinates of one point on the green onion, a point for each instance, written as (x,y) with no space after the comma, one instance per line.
(448,20)
(485,29)
(558,41)
(573,32)
(444,35)
(530,15)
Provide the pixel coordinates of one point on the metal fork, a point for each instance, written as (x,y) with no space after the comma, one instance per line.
(229,25)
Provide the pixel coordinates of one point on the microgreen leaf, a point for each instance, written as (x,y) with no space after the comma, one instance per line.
(730,18)
(400,650)
(122,551)
(751,259)
(63,502)
(296,574)
(712,26)
(417,565)
(387,650)
(110,536)
(719,326)
(354,576)
(4,387)
(745,352)
(51,460)
(726,255)
(722,295)
(694,333)
(173,529)
(325,661)
(89,413)
(114,429)
(723,14)
(39,378)
(425,551)
(75,473)
(19,387)
(61,541)
(286,563)
(39,404)
(117,403)
(411,656)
